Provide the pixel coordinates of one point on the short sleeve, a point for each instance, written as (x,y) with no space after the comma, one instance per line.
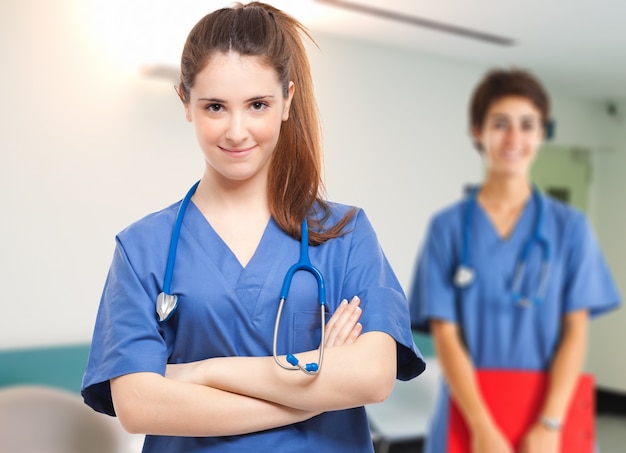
(385,308)
(432,294)
(589,281)
(126,337)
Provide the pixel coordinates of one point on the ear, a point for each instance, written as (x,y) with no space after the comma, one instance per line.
(179,91)
(477,137)
(291,91)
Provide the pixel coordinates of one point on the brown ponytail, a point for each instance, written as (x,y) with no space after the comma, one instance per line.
(295,176)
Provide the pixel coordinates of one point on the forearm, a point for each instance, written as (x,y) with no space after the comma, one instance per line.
(351,375)
(567,364)
(148,403)
(460,374)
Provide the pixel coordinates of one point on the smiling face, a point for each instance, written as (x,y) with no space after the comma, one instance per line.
(237,107)
(510,136)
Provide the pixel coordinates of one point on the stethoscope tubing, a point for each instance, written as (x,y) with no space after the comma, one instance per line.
(167,303)
(304,263)
(171,256)
(465,273)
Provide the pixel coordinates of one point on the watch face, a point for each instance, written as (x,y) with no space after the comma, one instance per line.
(551,423)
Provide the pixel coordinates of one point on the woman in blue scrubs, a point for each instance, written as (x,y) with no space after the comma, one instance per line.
(487,320)
(205,380)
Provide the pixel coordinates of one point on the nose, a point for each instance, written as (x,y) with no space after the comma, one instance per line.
(236,131)
(513,135)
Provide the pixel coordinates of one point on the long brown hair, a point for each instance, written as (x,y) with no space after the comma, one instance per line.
(295,176)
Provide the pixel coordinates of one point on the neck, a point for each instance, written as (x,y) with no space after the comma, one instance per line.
(219,196)
(508,191)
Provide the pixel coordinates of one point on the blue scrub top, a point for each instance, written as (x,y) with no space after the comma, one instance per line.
(497,332)
(228,310)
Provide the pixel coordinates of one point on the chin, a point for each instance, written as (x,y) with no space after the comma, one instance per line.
(511,172)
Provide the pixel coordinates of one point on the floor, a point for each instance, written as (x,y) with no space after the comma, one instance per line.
(610,432)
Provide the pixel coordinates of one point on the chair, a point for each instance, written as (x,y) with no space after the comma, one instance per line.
(404,416)
(36,419)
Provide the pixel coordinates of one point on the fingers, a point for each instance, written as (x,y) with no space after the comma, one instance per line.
(343,327)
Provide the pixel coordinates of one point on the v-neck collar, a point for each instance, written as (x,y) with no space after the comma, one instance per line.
(258,267)
(520,222)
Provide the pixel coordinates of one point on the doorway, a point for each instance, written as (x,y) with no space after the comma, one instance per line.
(564,173)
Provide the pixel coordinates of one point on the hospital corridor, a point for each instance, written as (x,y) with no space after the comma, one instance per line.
(239,225)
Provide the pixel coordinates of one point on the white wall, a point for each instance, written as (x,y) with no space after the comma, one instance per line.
(86,147)
(394,123)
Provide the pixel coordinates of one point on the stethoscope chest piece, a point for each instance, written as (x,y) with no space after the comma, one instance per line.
(166,303)
(165,306)
(463,276)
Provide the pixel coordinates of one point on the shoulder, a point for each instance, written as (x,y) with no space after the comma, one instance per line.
(354,217)
(569,227)
(337,211)
(450,213)
(566,217)
(356,226)
(449,219)
(560,209)
(150,227)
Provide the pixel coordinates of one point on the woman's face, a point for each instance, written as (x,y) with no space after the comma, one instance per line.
(237,107)
(510,136)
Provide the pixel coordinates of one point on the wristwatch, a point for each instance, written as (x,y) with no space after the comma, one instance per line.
(552,424)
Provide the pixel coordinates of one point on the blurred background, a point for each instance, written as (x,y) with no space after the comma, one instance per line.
(93,137)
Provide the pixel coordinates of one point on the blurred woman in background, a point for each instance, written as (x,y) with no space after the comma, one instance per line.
(507,278)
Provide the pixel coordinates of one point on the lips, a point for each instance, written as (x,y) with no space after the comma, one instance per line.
(512,155)
(238,152)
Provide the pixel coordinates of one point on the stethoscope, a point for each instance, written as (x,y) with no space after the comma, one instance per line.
(465,274)
(167,303)
(304,263)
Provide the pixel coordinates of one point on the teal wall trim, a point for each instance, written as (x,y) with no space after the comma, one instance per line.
(424,343)
(59,366)
(63,366)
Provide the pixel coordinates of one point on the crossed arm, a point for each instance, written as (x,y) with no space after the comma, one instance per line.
(238,395)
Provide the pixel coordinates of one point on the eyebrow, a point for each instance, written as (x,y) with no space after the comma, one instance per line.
(498,115)
(252,99)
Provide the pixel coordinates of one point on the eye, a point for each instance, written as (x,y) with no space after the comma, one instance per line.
(500,124)
(258,106)
(214,108)
(529,125)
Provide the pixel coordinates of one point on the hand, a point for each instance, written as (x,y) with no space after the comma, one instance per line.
(540,440)
(344,328)
(490,440)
